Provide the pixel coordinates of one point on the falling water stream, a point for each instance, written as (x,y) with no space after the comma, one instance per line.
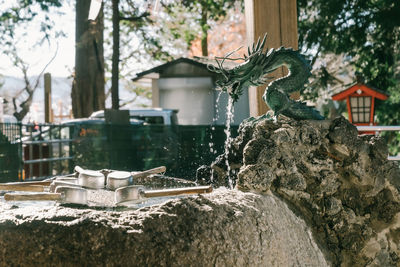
(227,131)
(215,119)
(229,120)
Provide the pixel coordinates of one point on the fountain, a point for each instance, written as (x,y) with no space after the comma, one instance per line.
(308,192)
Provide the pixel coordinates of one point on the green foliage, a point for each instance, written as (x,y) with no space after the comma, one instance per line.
(177,27)
(204,13)
(215,9)
(139,43)
(138,91)
(14,14)
(368,32)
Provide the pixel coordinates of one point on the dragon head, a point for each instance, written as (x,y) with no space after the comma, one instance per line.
(248,73)
(232,87)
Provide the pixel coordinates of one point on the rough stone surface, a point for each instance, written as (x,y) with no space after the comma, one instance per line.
(340,183)
(224,228)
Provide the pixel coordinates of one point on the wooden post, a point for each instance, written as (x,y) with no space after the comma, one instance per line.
(115,56)
(277,18)
(47,97)
(155,96)
(1,110)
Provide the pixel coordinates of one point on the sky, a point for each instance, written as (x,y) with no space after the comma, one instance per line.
(38,57)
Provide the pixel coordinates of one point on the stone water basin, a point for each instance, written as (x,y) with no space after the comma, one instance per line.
(222,228)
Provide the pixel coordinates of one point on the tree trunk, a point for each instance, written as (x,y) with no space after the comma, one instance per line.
(115,56)
(204,28)
(88,85)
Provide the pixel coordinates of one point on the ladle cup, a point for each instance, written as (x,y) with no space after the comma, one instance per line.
(90,179)
(116,179)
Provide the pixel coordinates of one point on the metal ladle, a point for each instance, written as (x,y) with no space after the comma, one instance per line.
(90,179)
(63,194)
(137,193)
(117,179)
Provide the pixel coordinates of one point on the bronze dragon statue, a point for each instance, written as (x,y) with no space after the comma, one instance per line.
(254,70)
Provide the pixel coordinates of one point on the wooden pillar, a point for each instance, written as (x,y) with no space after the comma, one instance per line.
(1,110)
(155,95)
(277,18)
(115,56)
(47,98)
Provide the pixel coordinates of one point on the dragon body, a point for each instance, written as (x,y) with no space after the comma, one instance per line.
(254,71)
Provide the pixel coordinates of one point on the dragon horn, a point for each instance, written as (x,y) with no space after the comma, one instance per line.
(255,45)
(258,44)
(263,41)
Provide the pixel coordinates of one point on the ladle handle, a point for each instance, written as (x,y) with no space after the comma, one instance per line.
(78,169)
(43,183)
(32,197)
(22,187)
(148,172)
(178,191)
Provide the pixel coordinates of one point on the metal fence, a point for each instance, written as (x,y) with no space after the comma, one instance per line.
(45,150)
(33,151)
(10,151)
(182,149)
(36,151)
(377,130)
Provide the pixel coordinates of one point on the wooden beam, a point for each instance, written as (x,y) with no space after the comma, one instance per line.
(277,18)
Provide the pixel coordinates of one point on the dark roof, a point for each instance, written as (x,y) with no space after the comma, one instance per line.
(197,61)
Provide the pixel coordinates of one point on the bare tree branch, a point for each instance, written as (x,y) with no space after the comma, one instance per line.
(134,19)
(129,101)
(29,88)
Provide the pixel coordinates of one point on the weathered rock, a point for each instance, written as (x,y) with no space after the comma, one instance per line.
(340,183)
(224,228)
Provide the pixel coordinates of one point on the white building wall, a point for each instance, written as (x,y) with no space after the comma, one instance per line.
(193,98)
(196,100)
(241,107)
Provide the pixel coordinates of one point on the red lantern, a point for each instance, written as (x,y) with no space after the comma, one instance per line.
(360,100)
